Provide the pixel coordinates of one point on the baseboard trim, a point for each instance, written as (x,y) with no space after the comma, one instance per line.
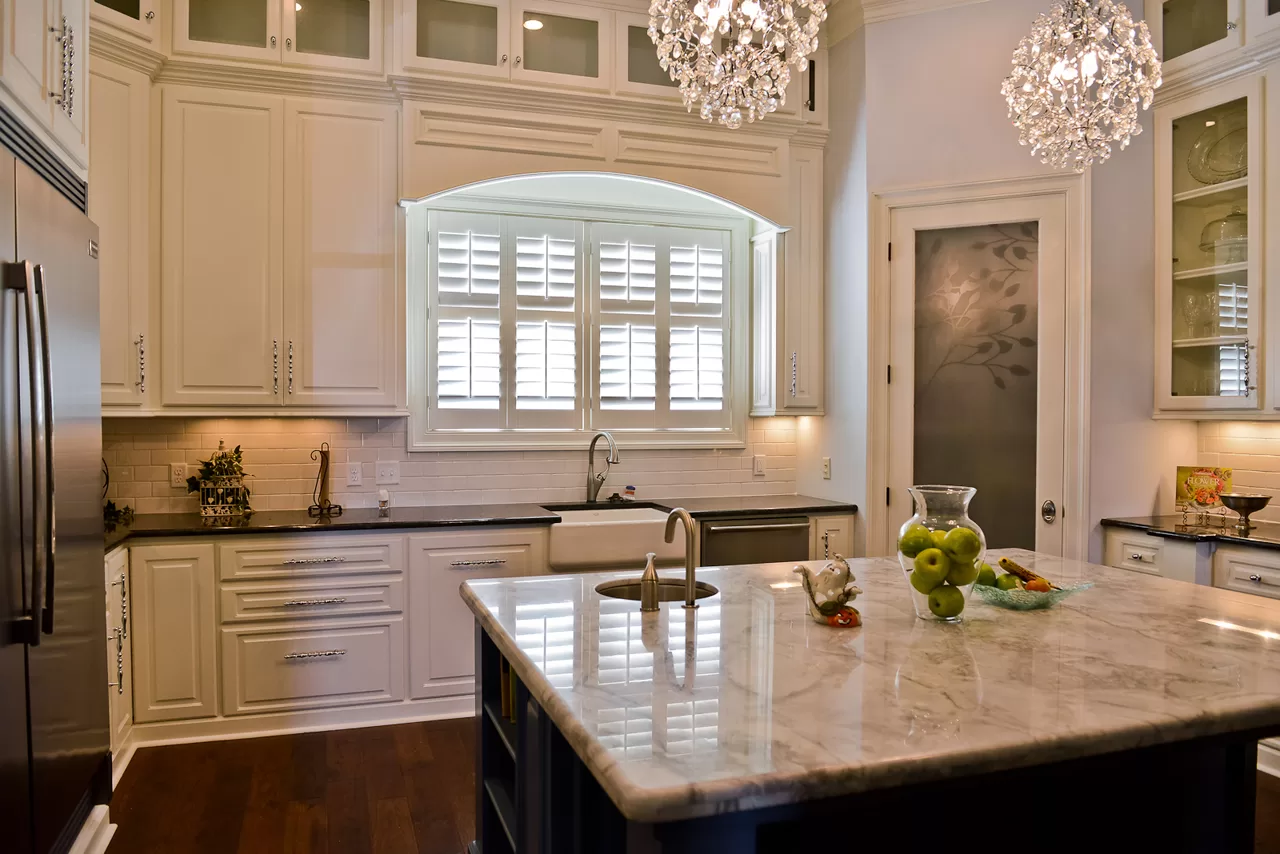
(120,760)
(1269,757)
(95,835)
(316,720)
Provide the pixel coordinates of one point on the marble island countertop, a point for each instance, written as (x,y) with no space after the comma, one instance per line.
(747,703)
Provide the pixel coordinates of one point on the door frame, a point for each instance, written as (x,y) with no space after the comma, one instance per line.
(1073,191)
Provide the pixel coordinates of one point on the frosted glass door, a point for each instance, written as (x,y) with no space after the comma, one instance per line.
(249,29)
(567,45)
(976,371)
(333,33)
(637,66)
(1188,31)
(459,35)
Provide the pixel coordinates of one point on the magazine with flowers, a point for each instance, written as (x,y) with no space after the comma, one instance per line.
(1198,487)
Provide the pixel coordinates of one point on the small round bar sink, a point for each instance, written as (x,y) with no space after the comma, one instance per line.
(669,589)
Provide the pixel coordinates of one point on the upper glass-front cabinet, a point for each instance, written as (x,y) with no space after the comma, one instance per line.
(344,34)
(1189,31)
(1263,19)
(1208,234)
(137,17)
(458,35)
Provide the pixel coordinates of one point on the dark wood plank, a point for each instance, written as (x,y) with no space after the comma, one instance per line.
(393,828)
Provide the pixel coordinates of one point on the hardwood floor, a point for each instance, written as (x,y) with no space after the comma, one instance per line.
(396,789)
(381,790)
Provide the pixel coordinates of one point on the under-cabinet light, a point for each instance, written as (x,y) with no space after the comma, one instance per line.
(533,24)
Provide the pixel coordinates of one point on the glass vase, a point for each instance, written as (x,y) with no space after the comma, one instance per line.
(941,549)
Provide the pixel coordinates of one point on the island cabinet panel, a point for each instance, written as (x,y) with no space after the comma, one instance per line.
(220,247)
(1248,570)
(1183,560)
(175,655)
(276,668)
(441,643)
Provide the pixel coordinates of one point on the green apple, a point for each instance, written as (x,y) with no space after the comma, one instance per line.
(931,567)
(1007,582)
(938,538)
(915,540)
(962,543)
(986,575)
(962,572)
(946,601)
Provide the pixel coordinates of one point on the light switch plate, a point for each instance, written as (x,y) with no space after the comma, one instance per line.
(355,476)
(826,468)
(388,472)
(757,464)
(178,474)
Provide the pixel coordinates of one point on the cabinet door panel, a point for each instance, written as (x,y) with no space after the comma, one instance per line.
(136,17)
(344,34)
(221,232)
(243,29)
(562,45)
(70,111)
(342,314)
(800,301)
(460,36)
(27,64)
(176,633)
(119,182)
(833,535)
(119,658)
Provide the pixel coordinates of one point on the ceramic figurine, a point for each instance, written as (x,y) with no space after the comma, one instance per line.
(830,591)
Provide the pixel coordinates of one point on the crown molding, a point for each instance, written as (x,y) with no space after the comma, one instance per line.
(845,17)
(122,50)
(1248,60)
(269,79)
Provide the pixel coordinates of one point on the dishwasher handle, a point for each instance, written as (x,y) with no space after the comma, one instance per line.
(730,527)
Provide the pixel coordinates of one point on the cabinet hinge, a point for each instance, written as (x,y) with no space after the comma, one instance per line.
(888,373)
(886,496)
(891,251)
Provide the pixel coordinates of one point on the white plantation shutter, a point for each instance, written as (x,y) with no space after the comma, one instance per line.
(697,367)
(469,364)
(698,327)
(468,261)
(628,366)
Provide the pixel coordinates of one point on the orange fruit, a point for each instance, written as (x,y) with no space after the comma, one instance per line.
(1038,585)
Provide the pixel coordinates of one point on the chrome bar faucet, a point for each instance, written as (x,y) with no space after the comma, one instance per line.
(690,582)
(595,481)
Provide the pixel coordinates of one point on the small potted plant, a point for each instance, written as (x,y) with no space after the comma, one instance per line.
(220,483)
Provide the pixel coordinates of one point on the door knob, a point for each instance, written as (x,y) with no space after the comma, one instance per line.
(1048,511)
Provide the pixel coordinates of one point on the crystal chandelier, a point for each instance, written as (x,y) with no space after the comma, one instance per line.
(731,58)
(1078,79)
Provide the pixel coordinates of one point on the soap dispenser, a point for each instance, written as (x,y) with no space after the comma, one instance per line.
(649,585)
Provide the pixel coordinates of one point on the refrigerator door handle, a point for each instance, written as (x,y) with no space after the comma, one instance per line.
(21,277)
(50,520)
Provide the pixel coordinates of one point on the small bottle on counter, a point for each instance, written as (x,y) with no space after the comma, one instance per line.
(384,503)
(629,494)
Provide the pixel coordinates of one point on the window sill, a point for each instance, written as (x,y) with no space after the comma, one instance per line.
(657,440)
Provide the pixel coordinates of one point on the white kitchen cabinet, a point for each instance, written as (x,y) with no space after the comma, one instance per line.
(221,258)
(42,65)
(119,194)
(340,297)
(1183,560)
(832,535)
(562,44)
(237,29)
(119,651)
(1262,20)
(636,67)
(336,34)
(1247,569)
(457,36)
(1209,258)
(175,630)
(441,627)
(135,18)
(1187,33)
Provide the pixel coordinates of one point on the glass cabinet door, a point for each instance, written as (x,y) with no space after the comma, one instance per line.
(1208,219)
(136,16)
(249,29)
(1263,17)
(636,67)
(462,36)
(1189,31)
(564,45)
(333,33)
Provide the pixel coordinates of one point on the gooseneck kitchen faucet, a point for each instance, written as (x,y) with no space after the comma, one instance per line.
(595,481)
(690,582)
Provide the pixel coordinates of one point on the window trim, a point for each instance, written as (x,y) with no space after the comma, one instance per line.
(424,436)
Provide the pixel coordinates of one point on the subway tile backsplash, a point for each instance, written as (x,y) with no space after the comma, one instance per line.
(277,456)
(1252,450)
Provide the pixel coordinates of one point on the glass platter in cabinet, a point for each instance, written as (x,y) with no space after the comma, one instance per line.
(344,34)
(1186,32)
(136,16)
(562,45)
(1208,217)
(458,36)
(245,29)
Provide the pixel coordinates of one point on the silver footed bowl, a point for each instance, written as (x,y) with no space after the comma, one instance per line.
(1245,503)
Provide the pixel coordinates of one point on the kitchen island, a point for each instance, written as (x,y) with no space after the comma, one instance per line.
(1125,718)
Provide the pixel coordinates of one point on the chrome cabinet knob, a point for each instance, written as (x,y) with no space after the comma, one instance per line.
(151,16)
(1256,579)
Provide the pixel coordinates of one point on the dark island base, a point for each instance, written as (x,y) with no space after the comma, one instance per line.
(535,796)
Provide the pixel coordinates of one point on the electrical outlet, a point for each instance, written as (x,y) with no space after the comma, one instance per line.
(178,474)
(388,472)
(826,468)
(355,475)
(757,464)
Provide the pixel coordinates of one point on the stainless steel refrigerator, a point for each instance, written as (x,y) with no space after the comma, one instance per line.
(55,761)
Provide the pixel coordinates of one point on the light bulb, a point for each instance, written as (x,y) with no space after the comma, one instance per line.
(533,24)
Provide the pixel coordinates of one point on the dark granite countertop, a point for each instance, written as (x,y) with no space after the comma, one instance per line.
(735,505)
(1262,534)
(363,519)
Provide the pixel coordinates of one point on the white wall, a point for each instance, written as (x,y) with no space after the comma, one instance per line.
(930,114)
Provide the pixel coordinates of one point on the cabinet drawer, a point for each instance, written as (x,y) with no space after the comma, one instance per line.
(308,556)
(1133,550)
(1248,570)
(336,597)
(308,666)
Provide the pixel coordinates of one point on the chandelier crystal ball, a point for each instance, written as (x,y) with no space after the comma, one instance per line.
(1077,82)
(732,58)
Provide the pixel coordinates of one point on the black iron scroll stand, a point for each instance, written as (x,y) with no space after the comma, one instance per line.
(323,507)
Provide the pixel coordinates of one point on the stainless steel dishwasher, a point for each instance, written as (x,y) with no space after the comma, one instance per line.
(764,539)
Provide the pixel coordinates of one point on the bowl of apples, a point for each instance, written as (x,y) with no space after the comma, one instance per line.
(1020,589)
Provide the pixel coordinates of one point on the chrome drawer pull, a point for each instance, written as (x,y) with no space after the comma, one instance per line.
(303,603)
(495,561)
(1138,557)
(1256,579)
(311,561)
(320,653)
